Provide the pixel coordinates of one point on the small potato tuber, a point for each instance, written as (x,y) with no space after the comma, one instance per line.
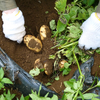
(33,43)
(61,63)
(48,66)
(38,64)
(44,32)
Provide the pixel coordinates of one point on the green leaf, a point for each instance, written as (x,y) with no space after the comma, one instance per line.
(55,97)
(89,96)
(69,90)
(2,97)
(60,26)
(74,32)
(47,84)
(98,84)
(22,97)
(6,80)
(9,96)
(1,73)
(57,78)
(66,71)
(95,99)
(34,96)
(90,2)
(90,10)
(46,12)
(27,97)
(98,51)
(69,96)
(83,14)
(51,56)
(60,5)
(52,24)
(66,65)
(34,72)
(81,95)
(73,12)
(1,86)
(84,2)
(69,83)
(67,53)
(76,85)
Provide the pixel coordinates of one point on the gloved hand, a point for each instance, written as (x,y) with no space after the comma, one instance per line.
(13,25)
(90,37)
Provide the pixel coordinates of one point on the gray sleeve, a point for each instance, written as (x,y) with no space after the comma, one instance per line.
(98,8)
(7,4)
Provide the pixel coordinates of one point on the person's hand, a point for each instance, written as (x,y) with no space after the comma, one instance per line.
(90,38)
(13,24)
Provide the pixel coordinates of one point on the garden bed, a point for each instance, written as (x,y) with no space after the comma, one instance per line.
(35,13)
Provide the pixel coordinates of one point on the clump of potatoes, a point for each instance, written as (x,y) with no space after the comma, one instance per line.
(34,43)
(46,65)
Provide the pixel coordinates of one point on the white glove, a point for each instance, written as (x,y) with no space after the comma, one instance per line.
(13,25)
(90,37)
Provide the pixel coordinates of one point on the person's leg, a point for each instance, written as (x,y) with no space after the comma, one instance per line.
(7,4)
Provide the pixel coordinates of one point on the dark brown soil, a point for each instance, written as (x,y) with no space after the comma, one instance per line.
(35,17)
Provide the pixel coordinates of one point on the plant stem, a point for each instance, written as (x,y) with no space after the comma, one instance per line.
(89,89)
(75,97)
(77,64)
(81,76)
(70,44)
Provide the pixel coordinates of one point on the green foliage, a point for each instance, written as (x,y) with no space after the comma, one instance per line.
(3,80)
(73,88)
(35,96)
(61,5)
(68,32)
(66,69)
(88,2)
(8,95)
(98,51)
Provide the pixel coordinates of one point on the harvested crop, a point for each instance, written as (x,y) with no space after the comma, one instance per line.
(61,63)
(48,67)
(44,32)
(33,43)
(38,64)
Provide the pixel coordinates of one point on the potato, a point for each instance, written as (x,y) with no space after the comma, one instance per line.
(33,43)
(61,63)
(48,66)
(44,32)
(38,64)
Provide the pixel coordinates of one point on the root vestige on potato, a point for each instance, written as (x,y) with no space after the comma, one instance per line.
(44,32)
(33,43)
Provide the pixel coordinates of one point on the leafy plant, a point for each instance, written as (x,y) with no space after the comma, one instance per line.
(67,31)
(66,69)
(8,95)
(36,96)
(3,80)
(73,88)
